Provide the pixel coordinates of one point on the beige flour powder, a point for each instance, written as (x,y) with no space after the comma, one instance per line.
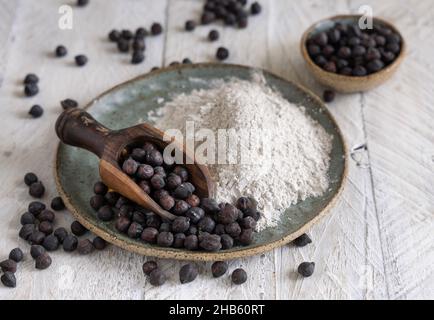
(290,151)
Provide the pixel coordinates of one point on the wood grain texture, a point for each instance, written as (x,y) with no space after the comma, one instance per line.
(376,244)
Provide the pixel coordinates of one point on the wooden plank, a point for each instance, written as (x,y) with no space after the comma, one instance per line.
(28,145)
(399,126)
(345,244)
(181,44)
(7,17)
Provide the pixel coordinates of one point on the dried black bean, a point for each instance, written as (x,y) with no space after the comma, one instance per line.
(195,214)
(114,35)
(227,241)
(156,29)
(37,237)
(233,229)
(306,269)
(82,3)
(144,171)
(165,239)
(219,268)
(192,230)
(43,261)
(78,229)
(100,188)
(359,71)
(16,255)
(37,189)
(154,158)
(165,227)
(46,215)
(149,235)
(153,221)
(122,224)
(255,8)
(81,60)
(123,45)
(61,234)
(188,273)
(30,178)
(105,213)
(375,65)
(302,240)
(191,242)
(68,103)
(112,197)
(178,240)
(31,78)
(211,242)
(61,51)
(157,182)
(328,95)
(157,277)
(99,243)
(248,223)
(8,279)
(206,224)
(51,243)
(183,191)
(239,276)
(193,200)
(190,25)
(227,214)
(46,227)
(145,186)
(57,204)
(222,53)
(139,45)
(135,230)
(26,231)
(213,35)
(139,217)
(209,205)
(70,243)
(8,265)
(207,17)
(173,181)
(141,32)
(137,57)
(85,247)
(180,208)
(148,267)
(36,251)
(186,61)
(130,166)
(246,237)
(180,224)
(27,218)
(31,89)
(36,111)
(97,201)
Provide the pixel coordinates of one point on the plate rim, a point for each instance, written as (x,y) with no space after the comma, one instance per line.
(155,251)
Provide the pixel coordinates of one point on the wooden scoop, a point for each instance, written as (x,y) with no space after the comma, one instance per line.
(78,128)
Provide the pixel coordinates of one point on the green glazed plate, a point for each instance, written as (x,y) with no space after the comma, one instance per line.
(76,170)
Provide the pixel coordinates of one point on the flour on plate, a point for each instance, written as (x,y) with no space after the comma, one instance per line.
(291,151)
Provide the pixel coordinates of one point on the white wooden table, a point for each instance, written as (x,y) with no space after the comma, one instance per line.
(377,243)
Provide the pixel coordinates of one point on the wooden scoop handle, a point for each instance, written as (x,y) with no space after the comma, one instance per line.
(78,128)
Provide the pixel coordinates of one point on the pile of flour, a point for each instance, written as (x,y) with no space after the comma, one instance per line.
(290,156)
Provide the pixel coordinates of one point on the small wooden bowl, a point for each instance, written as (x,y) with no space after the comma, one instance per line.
(342,83)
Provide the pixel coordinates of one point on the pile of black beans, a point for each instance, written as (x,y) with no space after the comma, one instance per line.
(127,40)
(231,12)
(348,50)
(201,224)
(39,231)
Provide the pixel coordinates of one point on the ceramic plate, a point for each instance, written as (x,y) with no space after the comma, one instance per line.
(76,170)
